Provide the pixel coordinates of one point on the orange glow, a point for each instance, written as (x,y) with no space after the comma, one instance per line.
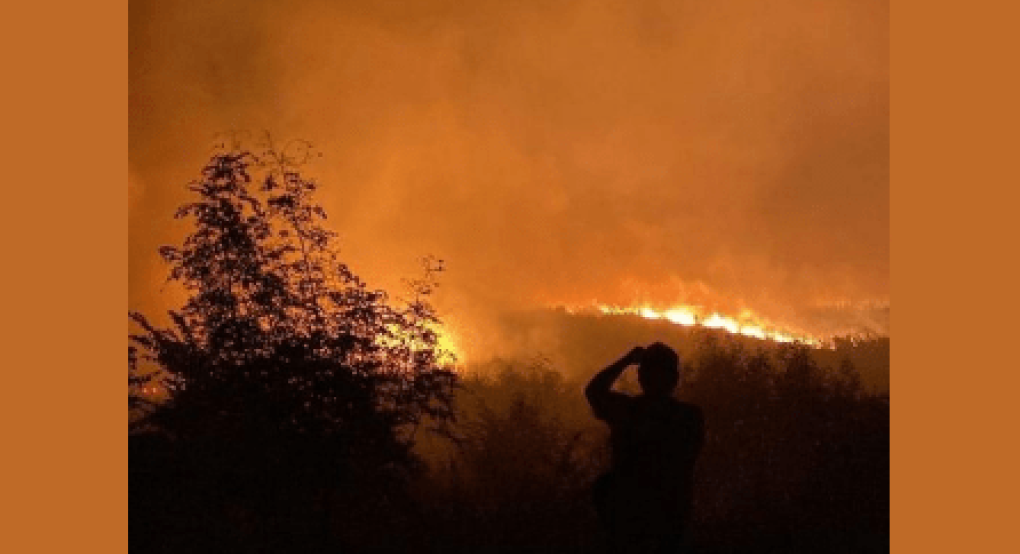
(649,313)
(448,343)
(681,316)
(716,321)
(747,324)
(753,331)
(550,152)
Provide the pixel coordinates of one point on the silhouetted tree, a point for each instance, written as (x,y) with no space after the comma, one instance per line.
(282,365)
(276,331)
(140,385)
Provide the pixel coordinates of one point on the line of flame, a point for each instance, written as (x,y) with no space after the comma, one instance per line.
(688,316)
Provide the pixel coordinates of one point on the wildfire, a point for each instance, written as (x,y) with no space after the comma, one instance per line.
(448,343)
(747,324)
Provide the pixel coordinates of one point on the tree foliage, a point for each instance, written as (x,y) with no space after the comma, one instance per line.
(277,335)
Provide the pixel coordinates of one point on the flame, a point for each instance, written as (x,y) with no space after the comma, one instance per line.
(747,323)
(448,343)
(716,321)
(445,342)
(681,316)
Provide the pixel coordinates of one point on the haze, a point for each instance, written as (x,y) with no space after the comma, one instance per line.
(728,154)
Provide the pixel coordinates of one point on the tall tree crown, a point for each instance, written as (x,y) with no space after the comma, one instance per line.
(277,333)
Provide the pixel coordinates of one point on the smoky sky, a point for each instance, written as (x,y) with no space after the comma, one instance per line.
(729,154)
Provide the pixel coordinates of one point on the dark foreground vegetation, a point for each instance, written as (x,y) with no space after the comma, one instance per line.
(301,411)
(796,459)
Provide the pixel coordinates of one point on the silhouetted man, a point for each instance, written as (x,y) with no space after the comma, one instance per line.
(644,501)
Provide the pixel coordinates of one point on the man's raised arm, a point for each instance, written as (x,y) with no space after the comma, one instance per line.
(599,390)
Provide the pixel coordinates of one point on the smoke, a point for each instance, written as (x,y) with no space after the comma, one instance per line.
(730,154)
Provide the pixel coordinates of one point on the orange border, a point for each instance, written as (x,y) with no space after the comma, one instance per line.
(65,128)
(953,244)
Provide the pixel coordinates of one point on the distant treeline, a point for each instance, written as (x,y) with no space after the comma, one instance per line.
(796,460)
(576,343)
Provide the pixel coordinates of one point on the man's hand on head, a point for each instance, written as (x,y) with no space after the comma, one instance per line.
(635,355)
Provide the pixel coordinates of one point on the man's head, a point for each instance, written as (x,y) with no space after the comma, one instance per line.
(659,371)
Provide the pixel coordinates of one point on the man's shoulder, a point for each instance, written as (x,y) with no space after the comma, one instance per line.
(688,409)
(675,408)
(691,407)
